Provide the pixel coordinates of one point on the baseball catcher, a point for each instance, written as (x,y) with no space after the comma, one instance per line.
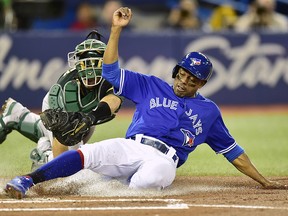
(78,91)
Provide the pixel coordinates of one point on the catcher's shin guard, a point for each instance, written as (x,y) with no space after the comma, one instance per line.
(42,154)
(17,117)
(31,130)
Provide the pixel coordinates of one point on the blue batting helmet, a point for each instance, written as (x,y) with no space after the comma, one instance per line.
(197,64)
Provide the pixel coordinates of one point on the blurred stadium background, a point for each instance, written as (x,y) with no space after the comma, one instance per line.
(250,68)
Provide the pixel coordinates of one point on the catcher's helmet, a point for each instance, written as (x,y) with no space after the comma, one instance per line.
(197,64)
(88,58)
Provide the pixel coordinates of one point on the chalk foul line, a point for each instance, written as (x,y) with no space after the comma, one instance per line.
(167,204)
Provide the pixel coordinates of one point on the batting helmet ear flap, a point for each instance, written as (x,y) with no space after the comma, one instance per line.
(175,71)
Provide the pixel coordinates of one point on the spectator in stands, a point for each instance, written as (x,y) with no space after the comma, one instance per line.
(85,17)
(107,12)
(223,18)
(8,21)
(184,15)
(262,16)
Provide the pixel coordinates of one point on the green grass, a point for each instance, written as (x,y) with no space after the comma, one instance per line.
(264,138)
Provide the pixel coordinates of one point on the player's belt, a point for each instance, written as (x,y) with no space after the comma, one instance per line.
(161,146)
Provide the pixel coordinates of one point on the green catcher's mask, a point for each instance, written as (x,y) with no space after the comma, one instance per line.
(88,59)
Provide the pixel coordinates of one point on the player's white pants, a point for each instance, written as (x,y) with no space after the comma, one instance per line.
(141,165)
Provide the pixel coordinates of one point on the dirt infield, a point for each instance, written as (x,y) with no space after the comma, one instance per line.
(219,196)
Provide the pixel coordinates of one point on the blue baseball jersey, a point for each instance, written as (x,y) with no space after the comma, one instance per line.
(180,122)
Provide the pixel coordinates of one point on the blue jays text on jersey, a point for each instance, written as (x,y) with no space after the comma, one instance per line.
(183,123)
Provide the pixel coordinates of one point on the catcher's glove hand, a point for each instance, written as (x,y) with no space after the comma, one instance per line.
(68,127)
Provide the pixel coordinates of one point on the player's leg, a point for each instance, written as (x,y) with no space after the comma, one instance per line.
(43,151)
(17,117)
(123,158)
(64,165)
(158,173)
(116,158)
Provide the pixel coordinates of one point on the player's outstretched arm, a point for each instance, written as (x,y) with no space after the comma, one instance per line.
(244,165)
(121,18)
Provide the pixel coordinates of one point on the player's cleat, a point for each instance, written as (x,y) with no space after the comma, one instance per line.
(9,119)
(18,187)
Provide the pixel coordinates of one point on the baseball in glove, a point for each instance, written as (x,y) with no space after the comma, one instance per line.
(68,127)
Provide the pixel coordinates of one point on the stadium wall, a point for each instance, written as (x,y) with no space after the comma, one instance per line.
(249,69)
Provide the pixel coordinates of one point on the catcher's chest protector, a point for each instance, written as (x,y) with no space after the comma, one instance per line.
(69,98)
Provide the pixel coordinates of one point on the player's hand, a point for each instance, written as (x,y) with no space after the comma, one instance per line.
(122,17)
(275,185)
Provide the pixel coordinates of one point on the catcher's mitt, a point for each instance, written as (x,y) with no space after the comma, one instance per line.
(68,127)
